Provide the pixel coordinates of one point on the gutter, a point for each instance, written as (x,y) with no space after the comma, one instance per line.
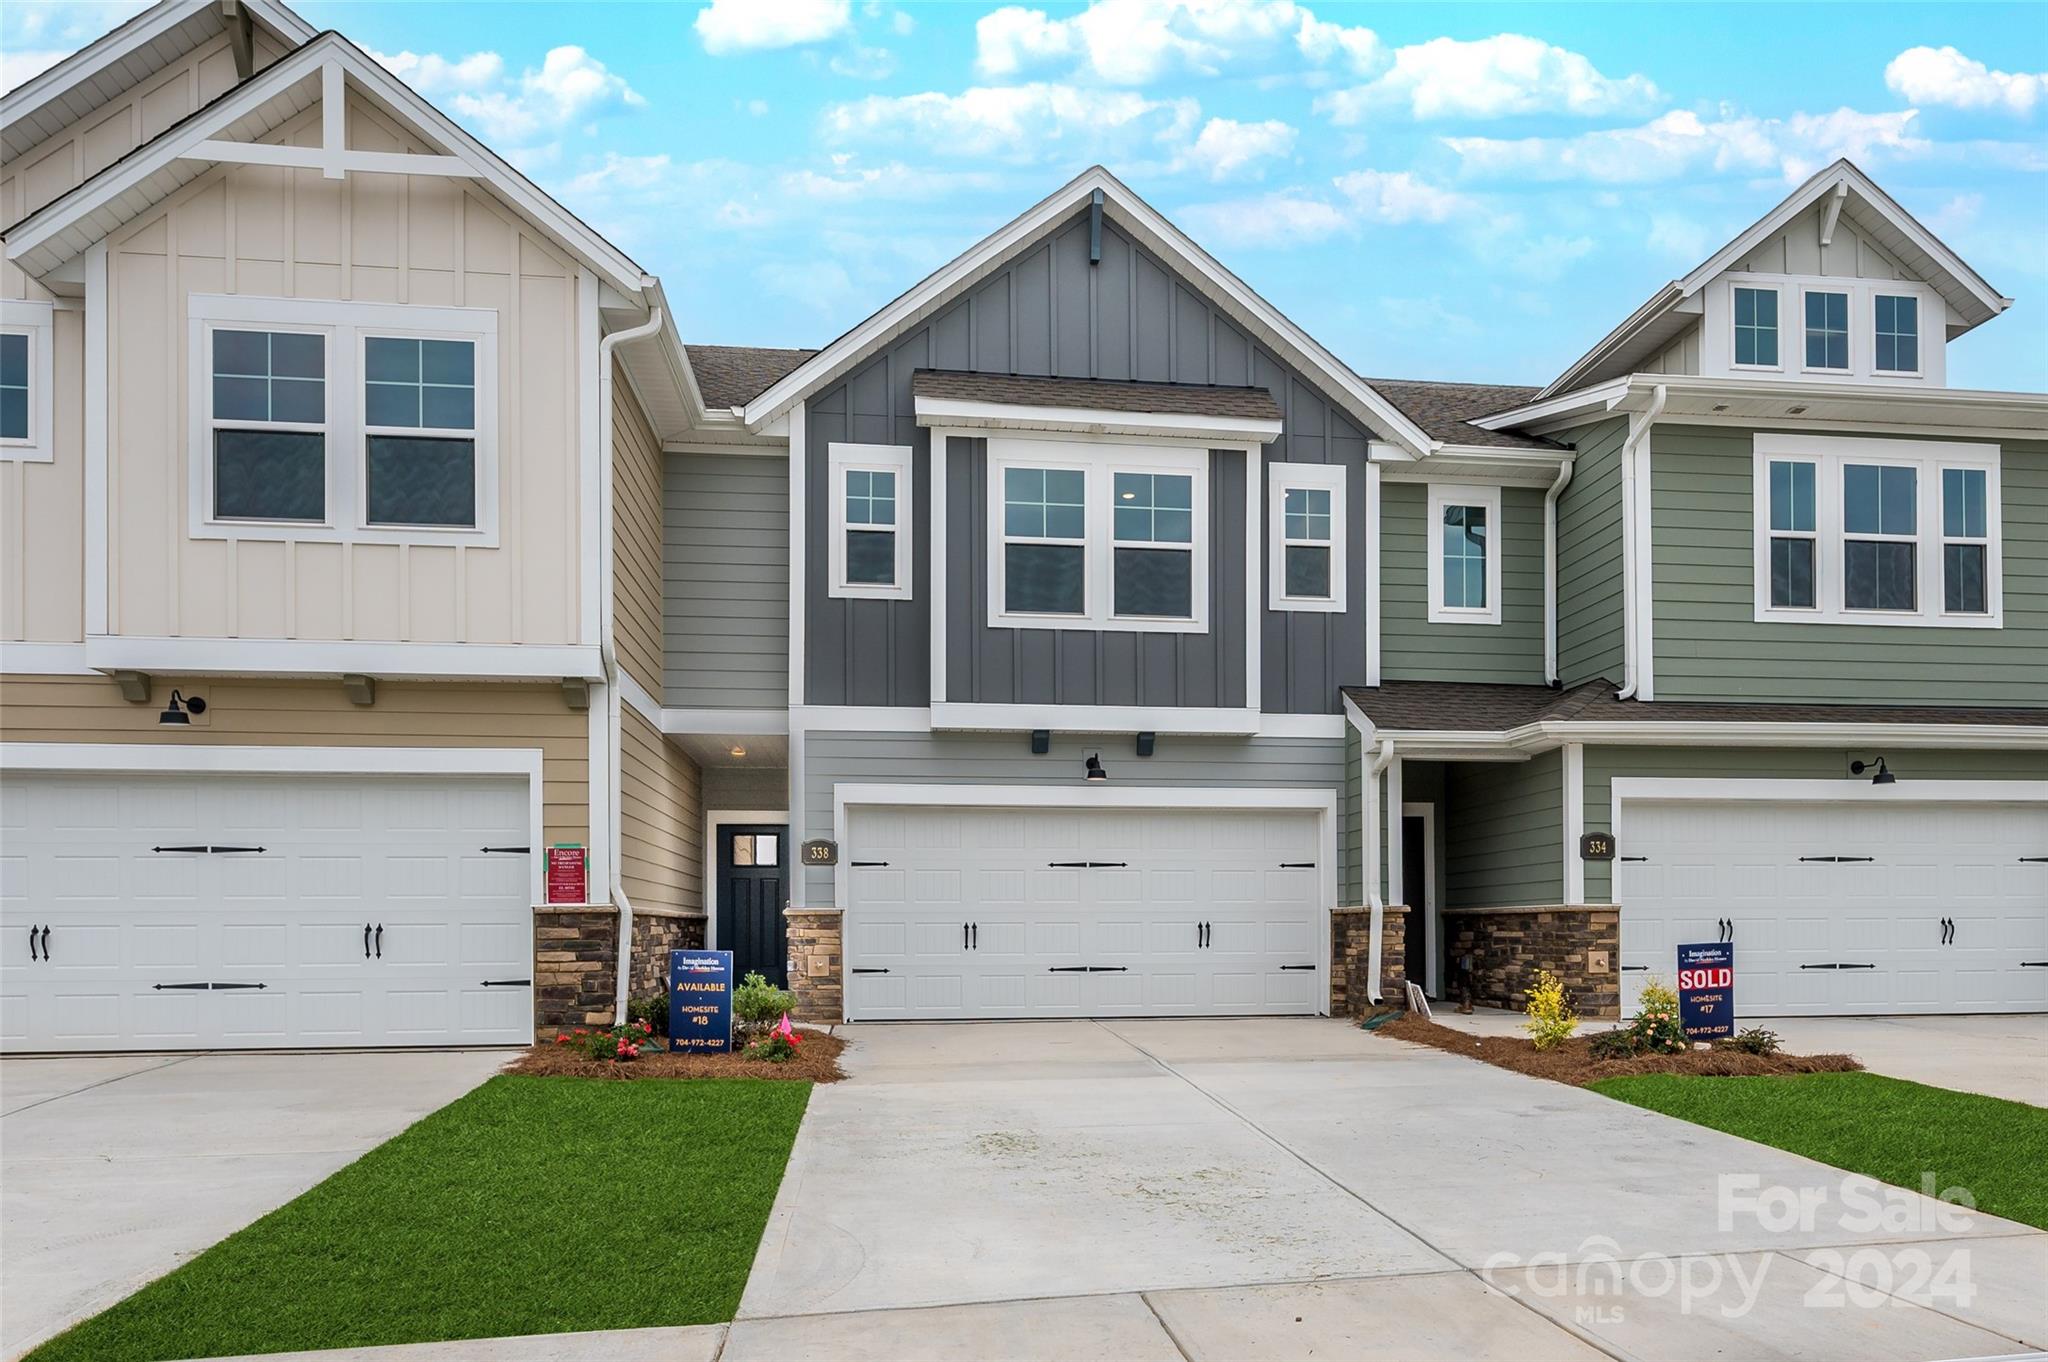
(607,651)
(1380,762)
(1632,606)
(1564,477)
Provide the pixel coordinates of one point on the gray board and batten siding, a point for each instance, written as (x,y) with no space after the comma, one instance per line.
(725,569)
(1049,311)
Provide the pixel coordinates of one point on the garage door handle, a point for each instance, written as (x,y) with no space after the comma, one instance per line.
(508,983)
(32,943)
(46,943)
(366,941)
(380,941)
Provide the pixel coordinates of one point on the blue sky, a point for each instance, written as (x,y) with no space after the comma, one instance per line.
(1434,191)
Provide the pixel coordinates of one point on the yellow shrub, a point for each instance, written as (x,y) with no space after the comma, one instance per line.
(1551,1019)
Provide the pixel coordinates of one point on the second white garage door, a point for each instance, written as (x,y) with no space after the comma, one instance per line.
(216,911)
(994,912)
(1842,908)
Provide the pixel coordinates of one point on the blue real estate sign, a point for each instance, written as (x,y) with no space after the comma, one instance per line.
(700,1001)
(1706,990)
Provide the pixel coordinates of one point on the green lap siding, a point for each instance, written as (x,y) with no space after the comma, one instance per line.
(1504,832)
(1709,645)
(1589,561)
(1604,764)
(1411,648)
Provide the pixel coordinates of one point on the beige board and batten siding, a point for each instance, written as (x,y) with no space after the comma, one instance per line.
(283,233)
(1412,648)
(726,569)
(661,819)
(636,536)
(1503,832)
(1710,646)
(1589,557)
(1603,765)
(263,713)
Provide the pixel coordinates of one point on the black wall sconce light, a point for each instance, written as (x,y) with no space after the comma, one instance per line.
(1145,743)
(1041,741)
(1883,776)
(175,712)
(1095,769)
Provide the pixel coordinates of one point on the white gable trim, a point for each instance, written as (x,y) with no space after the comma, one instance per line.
(1153,231)
(47,238)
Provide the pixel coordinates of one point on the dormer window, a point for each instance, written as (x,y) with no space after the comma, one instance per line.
(1827,330)
(1756,328)
(1898,334)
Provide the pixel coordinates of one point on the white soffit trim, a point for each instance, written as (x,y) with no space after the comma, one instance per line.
(308,657)
(1153,231)
(1546,734)
(1094,719)
(938,411)
(767,722)
(44,659)
(1832,791)
(65,226)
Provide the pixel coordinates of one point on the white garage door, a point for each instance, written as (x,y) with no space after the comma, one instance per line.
(973,912)
(225,911)
(1842,908)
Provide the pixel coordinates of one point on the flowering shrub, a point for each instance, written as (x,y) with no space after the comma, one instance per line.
(756,1003)
(1656,1027)
(651,1008)
(611,1044)
(779,1045)
(1551,1018)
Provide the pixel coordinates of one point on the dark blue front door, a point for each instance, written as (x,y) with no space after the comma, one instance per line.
(751,898)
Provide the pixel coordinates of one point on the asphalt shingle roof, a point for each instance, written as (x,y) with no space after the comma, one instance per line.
(733,375)
(1022,390)
(1445,410)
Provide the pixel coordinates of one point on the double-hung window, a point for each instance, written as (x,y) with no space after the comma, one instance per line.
(1897,334)
(1876,531)
(1827,330)
(25,374)
(1464,554)
(1090,536)
(1756,328)
(360,422)
(1305,536)
(871,525)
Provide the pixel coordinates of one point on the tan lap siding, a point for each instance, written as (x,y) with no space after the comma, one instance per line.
(89,709)
(636,520)
(661,820)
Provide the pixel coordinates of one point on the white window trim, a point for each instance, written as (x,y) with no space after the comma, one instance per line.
(1919,368)
(1779,327)
(1442,494)
(1282,479)
(1099,462)
(364,430)
(1828,454)
(1848,297)
(345,326)
(35,320)
(840,460)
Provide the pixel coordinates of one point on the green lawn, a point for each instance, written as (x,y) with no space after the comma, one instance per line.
(533,1205)
(1886,1128)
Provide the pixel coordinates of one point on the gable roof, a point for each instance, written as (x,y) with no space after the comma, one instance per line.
(1265,322)
(1848,192)
(52,100)
(72,222)
(1447,410)
(732,375)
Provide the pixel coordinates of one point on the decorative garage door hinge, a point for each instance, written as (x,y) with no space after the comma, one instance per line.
(1086,969)
(510,851)
(1838,860)
(1838,965)
(508,983)
(213,987)
(1086,865)
(212,851)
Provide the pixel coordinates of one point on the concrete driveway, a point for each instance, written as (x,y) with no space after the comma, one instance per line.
(114,1170)
(1296,1188)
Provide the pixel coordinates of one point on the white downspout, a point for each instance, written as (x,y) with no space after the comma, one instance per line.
(1631,605)
(1381,760)
(607,653)
(1564,476)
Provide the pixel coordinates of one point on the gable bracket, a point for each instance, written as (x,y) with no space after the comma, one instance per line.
(1834,213)
(332,158)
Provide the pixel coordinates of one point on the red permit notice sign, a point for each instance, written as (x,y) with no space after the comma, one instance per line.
(566,878)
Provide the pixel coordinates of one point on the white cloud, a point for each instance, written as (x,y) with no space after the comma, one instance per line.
(1397,197)
(864,63)
(618,172)
(1545,258)
(1322,42)
(1131,42)
(569,85)
(432,74)
(21,64)
(1502,76)
(1681,143)
(1679,236)
(1944,76)
(896,181)
(728,26)
(61,25)
(1020,123)
(1225,146)
(1299,216)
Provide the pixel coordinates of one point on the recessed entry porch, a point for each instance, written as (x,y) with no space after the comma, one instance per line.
(744,836)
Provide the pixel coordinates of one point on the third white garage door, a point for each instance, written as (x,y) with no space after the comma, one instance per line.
(1842,908)
(996,912)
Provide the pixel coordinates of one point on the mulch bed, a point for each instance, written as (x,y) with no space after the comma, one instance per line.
(1573,1063)
(817,1061)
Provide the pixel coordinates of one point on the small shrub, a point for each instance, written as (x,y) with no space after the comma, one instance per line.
(1619,1043)
(756,1003)
(1656,1026)
(1755,1040)
(779,1045)
(1551,1018)
(609,1044)
(652,1009)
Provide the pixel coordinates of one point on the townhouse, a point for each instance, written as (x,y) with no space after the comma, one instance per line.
(1074,636)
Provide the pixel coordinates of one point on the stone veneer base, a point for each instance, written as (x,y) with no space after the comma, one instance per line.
(1351,956)
(816,957)
(1580,944)
(576,957)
